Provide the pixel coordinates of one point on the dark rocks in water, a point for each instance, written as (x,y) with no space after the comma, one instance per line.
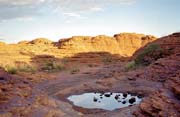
(124,102)
(101,94)
(107,95)
(125,94)
(132,100)
(106,101)
(116,97)
(140,96)
(95,99)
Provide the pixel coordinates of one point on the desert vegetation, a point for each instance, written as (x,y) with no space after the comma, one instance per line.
(53,66)
(11,70)
(150,54)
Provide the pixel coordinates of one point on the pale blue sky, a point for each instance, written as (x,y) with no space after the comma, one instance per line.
(55,19)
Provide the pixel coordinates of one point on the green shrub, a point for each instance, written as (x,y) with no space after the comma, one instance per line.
(53,66)
(11,70)
(27,68)
(146,57)
(57,66)
(152,51)
(130,65)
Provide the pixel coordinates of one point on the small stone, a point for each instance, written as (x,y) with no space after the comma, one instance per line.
(131,78)
(95,99)
(107,95)
(2,78)
(4,89)
(139,96)
(25,82)
(124,102)
(125,94)
(132,100)
(116,97)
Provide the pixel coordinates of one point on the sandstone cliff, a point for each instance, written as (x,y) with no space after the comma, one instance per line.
(124,44)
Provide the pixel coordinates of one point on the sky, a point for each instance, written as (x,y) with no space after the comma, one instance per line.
(56,19)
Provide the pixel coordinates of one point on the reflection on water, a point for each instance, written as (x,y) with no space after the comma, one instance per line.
(106,101)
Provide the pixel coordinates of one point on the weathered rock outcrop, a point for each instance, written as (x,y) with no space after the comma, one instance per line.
(164,102)
(124,44)
(23,42)
(13,90)
(41,41)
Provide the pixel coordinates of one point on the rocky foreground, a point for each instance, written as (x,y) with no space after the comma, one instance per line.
(124,63)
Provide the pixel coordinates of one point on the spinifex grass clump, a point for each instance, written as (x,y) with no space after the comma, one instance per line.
(27,68)
(150,54)
(11,70)
(53,66)
(130,65)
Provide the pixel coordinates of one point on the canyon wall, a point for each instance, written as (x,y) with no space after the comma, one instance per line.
(124,44)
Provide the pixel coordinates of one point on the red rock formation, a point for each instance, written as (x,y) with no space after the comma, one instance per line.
(124,44)
(165,102)
(41,41)
(12,88)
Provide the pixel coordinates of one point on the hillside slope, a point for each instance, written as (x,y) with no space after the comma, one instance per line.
(164,67)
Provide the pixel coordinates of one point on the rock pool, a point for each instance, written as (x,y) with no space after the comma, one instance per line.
(106,101)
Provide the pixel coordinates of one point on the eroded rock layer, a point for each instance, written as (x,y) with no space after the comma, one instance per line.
(164,102)
(124,44)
